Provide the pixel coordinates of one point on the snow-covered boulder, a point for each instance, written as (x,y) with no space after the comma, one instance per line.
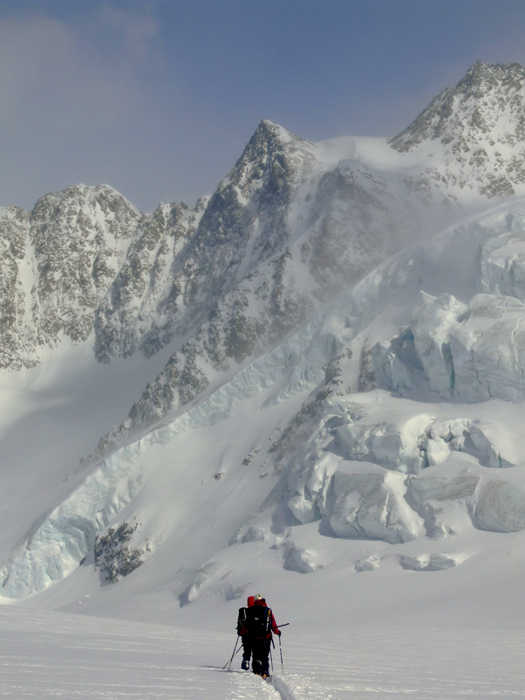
(431,562)
(492,449)
(308,501)
(299,559)
(254,534)
(431,326)
(488,350)
(373,506)
(396,363)
(500,507)
(251,530)
(439,488)
(204,576)
(354,440)
(371,563)
(394,445)
(485,440)
(443,502)
(442,437)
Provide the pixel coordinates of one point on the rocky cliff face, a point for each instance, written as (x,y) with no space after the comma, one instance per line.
(141,305)
(79,238)
(204,254)
(18,332)
(58,263)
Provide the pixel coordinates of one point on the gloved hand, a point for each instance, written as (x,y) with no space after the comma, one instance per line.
(279,632)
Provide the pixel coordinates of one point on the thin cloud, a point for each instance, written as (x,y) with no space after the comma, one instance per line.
(48,74)
(133,28)
(73,93)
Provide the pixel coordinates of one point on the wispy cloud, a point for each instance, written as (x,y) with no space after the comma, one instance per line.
(48,73)
(134,28)
(73,90)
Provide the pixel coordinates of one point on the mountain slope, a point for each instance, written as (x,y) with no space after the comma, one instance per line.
(288,443)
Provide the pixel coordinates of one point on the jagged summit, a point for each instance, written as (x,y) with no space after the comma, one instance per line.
(272,155)
(271,130)
(105,197)
(486,105)
(473,135)
(283,215)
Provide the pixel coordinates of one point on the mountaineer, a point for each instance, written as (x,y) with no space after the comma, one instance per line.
(259,626)
(241,625)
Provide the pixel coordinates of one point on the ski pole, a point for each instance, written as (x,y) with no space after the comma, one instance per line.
(285,625)
(234,648)
(281,650)
(271,659)
(238,650)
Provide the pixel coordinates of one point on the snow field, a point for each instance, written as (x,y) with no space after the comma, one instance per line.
(50,417)
(57,655)
(434,663)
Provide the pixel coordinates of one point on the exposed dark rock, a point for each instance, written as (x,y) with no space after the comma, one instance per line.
(113,558)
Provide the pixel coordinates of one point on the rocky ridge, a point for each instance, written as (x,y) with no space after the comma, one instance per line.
(60,261)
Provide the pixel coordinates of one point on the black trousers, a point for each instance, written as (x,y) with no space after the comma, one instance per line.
(246,647)
(260,651)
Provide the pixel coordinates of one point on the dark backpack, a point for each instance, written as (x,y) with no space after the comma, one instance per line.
(241,620)
(259,621)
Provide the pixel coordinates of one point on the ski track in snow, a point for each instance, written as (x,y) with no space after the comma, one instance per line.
(58,655)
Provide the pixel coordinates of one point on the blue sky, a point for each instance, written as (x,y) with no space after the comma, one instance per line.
(158,98)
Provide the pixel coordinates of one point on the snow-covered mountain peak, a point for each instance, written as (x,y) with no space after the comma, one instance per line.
(487,105)
(103,203)
(272,156)
(472,136)
(268,130)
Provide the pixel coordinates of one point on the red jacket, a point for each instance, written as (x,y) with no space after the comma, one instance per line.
(273,623)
